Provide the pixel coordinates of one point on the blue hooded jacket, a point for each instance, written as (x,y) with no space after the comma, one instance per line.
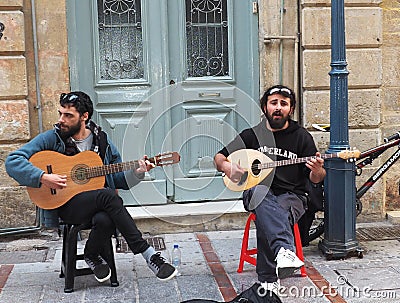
(26,174)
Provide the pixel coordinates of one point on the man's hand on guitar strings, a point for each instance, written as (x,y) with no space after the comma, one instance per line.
(54,181)
(234,172)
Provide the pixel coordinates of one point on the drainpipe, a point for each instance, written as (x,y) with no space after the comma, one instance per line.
(36,227)
(36,61)
(281,12)
(281,37)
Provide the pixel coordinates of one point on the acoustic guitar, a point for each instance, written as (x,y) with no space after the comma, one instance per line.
(258,166)
(85,171)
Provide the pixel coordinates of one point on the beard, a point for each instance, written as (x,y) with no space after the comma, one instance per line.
(277,120)
(69,131)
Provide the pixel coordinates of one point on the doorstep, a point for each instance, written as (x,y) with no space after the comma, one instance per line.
(189,217)
(394,216)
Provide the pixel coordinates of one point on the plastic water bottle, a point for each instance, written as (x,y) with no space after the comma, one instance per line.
(176,256)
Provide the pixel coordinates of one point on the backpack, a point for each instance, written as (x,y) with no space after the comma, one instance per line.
(254,294)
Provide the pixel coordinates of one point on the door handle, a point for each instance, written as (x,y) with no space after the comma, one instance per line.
(209,95)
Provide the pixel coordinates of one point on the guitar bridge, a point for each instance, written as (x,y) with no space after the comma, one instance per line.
(50,171)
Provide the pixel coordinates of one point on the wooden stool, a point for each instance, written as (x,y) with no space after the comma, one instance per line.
(70,256)
(246,254)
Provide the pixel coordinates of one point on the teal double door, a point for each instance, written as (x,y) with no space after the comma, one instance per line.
(168,75)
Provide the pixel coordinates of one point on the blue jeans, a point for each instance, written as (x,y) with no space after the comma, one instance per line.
(275,216)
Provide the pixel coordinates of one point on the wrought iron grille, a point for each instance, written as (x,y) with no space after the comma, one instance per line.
(207,38)
(120,39)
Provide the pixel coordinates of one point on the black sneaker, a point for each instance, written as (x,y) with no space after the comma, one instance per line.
(99,266)
(163,270)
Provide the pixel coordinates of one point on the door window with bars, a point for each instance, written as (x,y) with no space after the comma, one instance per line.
(120,39)
(207,38)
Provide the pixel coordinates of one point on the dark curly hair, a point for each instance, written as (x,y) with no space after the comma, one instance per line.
(279,89)
(80,101)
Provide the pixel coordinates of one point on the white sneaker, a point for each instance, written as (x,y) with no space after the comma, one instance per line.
(287,263)
(270,286)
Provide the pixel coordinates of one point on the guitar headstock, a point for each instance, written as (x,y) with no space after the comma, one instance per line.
(349,154)
(167,158)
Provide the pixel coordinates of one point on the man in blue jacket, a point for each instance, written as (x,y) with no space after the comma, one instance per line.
(73,133)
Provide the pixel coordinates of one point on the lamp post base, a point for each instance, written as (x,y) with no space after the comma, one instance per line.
(336,250)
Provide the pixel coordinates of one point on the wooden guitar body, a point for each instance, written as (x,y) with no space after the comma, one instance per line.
(248,159)
(73,167)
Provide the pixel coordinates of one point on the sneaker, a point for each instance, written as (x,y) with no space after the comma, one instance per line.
(99,266)
(162,269)
(273,287)
(51,233)
(287,263)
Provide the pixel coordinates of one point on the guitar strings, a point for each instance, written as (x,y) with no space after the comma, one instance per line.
(289,161)
(96,171)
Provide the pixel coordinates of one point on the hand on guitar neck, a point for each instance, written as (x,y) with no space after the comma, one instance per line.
(144,165)
(316,165)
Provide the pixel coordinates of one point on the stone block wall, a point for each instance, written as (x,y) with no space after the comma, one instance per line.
(16,210)
(19,106)
(371,78)
(390,110)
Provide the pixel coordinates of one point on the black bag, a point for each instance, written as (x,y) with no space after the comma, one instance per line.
(315,203)
(254,294)
(316,197)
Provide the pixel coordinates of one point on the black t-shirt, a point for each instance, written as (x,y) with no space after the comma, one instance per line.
(290,143)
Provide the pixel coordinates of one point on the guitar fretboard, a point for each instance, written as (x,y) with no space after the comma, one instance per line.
(294,161)
(97,171)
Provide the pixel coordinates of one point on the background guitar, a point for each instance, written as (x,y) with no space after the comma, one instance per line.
(85,171)
(258,166)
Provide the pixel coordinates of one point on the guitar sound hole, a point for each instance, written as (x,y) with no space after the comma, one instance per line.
(79,174)
(255,167)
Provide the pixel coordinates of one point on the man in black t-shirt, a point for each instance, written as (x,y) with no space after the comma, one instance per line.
(279,200)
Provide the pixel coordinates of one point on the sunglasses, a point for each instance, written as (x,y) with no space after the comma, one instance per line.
(278,90)
(68,97)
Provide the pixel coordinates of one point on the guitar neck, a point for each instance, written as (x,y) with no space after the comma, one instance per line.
(295,161)
(97,171)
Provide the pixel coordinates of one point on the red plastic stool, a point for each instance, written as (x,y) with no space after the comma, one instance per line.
(246,254)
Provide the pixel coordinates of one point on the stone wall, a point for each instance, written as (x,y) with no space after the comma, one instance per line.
(15,208)
(372,32)
(364,41)
(390,109)
(19,107)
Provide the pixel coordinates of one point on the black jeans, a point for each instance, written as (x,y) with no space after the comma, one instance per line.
(105,209)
